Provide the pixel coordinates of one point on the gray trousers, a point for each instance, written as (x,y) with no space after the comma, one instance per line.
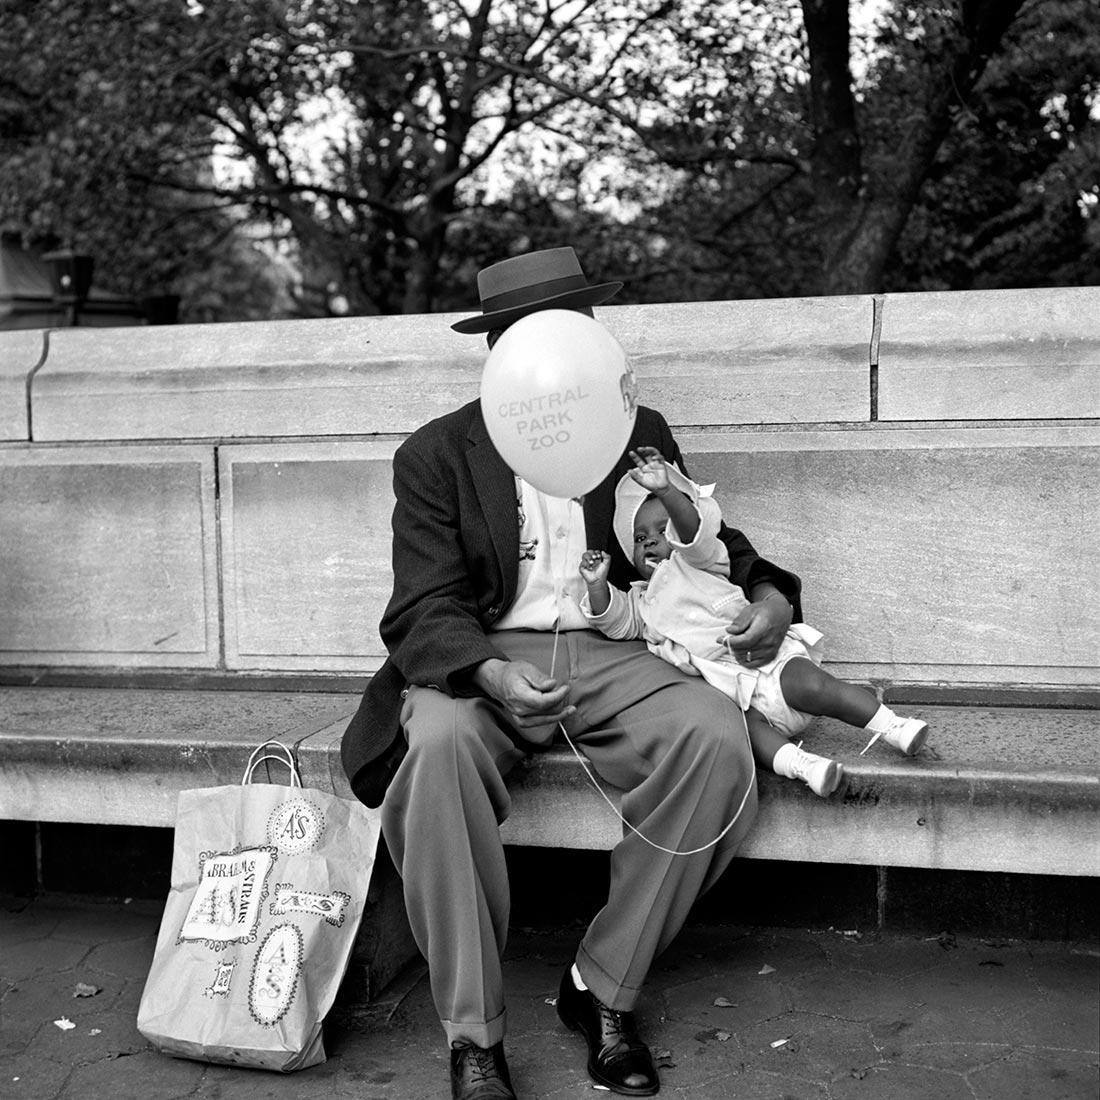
(675,745)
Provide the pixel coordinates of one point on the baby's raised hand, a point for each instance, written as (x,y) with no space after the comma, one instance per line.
(594,566)
(650,471)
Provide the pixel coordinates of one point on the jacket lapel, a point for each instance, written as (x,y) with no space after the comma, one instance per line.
(599,506)
(495,485)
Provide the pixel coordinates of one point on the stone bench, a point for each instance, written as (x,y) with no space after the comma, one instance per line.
(194,531)
(1000,788)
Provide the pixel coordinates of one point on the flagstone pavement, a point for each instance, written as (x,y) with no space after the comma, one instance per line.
(730,1012)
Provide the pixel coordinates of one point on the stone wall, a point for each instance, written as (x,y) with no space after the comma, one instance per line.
(218,497)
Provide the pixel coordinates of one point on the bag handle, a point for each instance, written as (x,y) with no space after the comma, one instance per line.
(284,756)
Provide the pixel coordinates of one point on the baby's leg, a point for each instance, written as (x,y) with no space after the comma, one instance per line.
(765,739)
(813,691)
(773,751)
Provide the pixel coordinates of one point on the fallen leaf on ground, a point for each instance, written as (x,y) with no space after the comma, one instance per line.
(722,1002)
(711,1033)
(64,1023)
(766,969)
(84,990)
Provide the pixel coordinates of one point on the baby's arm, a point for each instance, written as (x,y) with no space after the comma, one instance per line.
(651,473)
(613,613)
(594,567)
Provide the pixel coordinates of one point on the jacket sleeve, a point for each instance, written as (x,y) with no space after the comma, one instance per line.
(430,625)
(747,568)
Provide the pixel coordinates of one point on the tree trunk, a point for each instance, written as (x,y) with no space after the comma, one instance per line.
(836,169)
(860,219)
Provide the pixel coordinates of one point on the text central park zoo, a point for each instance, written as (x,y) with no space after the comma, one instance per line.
(545,418)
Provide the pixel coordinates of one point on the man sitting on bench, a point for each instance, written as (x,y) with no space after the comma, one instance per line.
(470,629)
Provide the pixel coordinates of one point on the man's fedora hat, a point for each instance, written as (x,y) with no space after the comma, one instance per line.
(549,279)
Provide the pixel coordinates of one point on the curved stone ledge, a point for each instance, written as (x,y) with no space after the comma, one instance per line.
(990,355)
(20,353)
(999,789)
(996,789)
(782,361)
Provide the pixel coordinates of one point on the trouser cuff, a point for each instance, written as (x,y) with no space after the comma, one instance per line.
(482,1034)
(603,986)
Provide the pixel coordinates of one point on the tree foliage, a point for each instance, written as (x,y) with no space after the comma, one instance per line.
(384,151)
(105,146)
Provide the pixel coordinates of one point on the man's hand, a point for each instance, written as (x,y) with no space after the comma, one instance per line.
(650,471)
(530,696)
(757,632)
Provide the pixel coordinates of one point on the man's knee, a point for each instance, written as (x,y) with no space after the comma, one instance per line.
(713,727)
(447,733)
(437,725)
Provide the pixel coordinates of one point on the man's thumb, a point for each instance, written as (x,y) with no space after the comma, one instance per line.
(740,622)
(538,679)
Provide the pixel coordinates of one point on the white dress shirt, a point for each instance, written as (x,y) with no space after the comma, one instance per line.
(551,541)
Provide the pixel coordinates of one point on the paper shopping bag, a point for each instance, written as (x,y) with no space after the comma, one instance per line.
(269,883)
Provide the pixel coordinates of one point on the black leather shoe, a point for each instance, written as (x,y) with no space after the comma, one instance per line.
(617,1058)
(480,1074)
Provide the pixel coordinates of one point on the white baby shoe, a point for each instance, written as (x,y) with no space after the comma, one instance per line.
(819,773)
(907,735)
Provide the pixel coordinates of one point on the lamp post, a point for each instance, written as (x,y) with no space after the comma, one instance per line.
(71,273)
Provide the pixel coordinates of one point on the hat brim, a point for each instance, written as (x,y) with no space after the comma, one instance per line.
(571,299)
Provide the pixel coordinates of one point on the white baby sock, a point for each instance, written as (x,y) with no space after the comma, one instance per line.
(881,720)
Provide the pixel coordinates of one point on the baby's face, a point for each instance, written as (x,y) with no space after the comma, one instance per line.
(650,545)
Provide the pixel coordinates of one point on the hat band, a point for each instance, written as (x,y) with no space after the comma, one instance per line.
(536,292)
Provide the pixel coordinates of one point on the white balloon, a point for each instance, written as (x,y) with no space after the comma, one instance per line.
(559,400)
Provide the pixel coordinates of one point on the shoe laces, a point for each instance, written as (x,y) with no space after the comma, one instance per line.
(482,1064)
(620,1023)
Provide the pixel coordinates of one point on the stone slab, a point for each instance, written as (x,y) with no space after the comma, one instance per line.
(20,353)
(974,806)
(998,789)
(306,554)
(109,556)
(331,377)
(121,756)
(928,555)
(783,360)
(990,355)
(793,360)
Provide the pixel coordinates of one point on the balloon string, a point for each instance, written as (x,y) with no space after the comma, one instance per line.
(637,832)
(558,597)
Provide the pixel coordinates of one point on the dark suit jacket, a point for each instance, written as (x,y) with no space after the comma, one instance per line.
(456,568)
